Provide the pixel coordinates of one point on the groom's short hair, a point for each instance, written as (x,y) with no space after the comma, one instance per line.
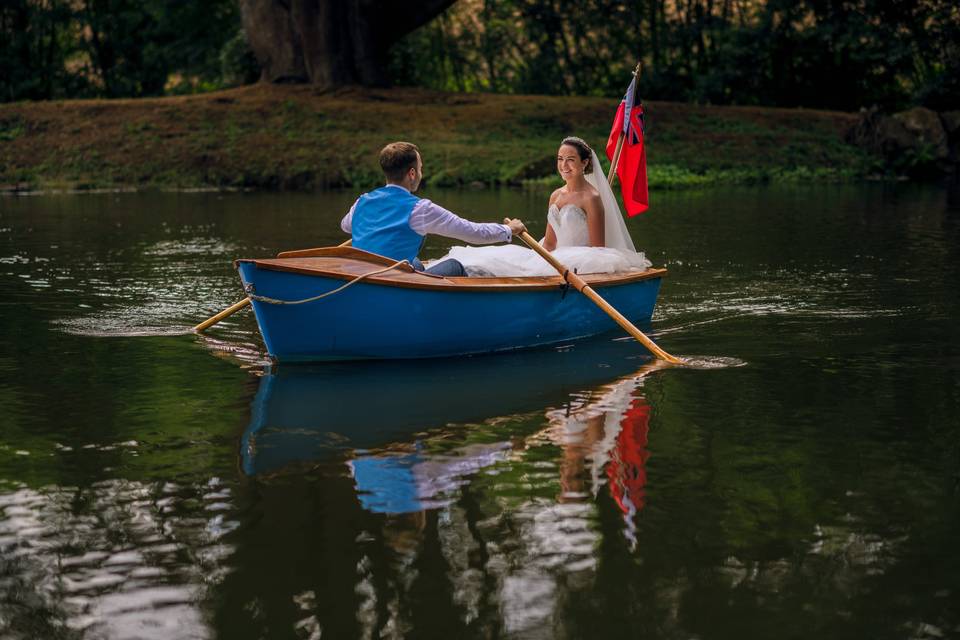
(397,158)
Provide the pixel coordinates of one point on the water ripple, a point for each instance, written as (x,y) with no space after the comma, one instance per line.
(109,559)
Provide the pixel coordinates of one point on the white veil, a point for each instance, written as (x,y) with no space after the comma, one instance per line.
(615,234)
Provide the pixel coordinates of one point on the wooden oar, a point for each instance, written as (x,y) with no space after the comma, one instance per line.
(229,311)
(581,286)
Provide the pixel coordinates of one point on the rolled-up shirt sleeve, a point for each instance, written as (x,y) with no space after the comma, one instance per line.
(429,217)
(347,223)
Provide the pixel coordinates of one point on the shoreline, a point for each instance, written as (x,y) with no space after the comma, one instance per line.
(294,138)
(532,185)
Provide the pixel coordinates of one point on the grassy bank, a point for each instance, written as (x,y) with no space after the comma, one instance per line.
(293,137)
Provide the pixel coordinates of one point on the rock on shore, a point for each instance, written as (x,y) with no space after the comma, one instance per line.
(916,141)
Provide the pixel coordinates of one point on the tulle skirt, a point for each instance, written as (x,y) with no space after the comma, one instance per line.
(514,260)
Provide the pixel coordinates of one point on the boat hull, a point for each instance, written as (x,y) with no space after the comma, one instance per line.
(376,321)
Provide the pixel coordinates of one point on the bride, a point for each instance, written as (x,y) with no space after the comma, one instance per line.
(585,229)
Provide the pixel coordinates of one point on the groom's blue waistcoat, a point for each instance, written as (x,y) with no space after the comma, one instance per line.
(381,223)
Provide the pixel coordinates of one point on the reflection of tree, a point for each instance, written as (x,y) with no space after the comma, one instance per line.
(118,559)
(529,542)
(541,539)
(509,563)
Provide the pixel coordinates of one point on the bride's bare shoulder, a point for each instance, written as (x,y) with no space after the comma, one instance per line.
(555,195)
(593,201)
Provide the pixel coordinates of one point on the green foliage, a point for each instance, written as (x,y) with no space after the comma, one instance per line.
(938,74)
(237,63)
(35,43)
(11,128)
(775,52)
(117,48)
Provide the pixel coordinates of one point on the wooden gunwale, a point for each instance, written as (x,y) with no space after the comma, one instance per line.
(347,267)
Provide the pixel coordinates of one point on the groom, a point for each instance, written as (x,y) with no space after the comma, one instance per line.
(393,222)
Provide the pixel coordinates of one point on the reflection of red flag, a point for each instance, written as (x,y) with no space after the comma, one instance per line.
(627,469)
(632,167)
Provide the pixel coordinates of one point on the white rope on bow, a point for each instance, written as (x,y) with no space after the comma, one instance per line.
(328,293)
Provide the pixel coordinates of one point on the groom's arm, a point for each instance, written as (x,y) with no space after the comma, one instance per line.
(429,217)
(347,223)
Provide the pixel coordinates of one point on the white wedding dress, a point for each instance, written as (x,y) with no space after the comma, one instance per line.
(573,250)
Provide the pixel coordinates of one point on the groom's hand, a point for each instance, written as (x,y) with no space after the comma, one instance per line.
(516,227)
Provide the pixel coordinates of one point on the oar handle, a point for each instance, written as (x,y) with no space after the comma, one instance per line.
(627,326)
(580,285)
(229,311)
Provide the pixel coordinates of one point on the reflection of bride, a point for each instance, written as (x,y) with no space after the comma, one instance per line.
(585,229)
(609,431)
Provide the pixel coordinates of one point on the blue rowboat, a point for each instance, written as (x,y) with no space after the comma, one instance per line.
(390,311)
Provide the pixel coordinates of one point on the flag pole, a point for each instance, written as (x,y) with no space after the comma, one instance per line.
(616,153)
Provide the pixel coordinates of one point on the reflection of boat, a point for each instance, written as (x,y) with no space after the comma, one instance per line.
(401,313)
(306,413)
(408,482)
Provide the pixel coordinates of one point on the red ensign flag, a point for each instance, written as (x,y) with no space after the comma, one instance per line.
(632,168)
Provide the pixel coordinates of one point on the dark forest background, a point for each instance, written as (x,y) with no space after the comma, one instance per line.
(813,53)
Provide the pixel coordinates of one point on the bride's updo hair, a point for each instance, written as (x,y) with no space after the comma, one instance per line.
(583,150)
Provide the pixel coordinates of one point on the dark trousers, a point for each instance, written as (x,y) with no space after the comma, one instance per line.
(448,268)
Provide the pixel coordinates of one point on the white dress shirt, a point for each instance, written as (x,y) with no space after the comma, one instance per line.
(428,217)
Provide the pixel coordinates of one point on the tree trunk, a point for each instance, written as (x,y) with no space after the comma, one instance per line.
(330,42)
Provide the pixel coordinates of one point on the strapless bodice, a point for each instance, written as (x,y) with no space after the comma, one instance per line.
(569,223)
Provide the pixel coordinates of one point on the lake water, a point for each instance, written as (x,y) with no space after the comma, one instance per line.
(159,484)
